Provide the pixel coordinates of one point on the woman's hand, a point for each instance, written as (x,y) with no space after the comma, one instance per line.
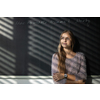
(58,76)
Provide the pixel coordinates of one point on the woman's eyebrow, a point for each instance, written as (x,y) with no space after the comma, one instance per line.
(65,37)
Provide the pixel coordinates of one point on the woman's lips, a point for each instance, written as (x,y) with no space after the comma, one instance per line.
(64,43)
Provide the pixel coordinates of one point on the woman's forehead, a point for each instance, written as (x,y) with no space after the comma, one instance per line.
(65,35)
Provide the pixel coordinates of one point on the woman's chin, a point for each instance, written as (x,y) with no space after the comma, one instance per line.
(65,47)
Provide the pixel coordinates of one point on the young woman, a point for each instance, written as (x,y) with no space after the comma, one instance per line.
(68,67)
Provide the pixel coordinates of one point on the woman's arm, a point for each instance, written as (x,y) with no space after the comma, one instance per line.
(70,78)
(59,76)
(54,64)
(75,82)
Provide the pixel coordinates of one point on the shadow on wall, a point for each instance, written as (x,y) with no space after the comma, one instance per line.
(89,80)
(77,45)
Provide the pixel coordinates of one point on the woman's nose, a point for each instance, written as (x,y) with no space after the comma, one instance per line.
(65,40)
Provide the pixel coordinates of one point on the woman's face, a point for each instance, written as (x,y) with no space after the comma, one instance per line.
(65,40)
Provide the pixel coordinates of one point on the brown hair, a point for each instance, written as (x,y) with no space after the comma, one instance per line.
(61,53)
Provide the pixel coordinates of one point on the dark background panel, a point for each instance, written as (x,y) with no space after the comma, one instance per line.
(27,43)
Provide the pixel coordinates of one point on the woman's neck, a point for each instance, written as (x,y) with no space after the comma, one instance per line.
(68,51)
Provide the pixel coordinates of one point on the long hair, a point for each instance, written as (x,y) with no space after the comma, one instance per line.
(61,53)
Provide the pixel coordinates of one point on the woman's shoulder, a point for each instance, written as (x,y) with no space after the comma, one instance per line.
(81,54)
(55,55)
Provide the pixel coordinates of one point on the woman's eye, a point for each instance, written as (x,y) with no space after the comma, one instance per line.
(62,37)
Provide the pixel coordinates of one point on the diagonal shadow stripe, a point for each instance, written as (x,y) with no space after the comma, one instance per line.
(6,25)
(6,20)
(6,35)
(41,37)
(7,52)
(8,57)
(56,30)
(6,30)
(38,52)
(43,28)
(37,68)
(38,47)
(43,33)
(43,44)
(7,62)
(39,58)
(7,68)
(8,81)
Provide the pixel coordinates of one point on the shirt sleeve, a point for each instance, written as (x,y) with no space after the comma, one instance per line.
(54,69)
(54,64)
(82,75)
